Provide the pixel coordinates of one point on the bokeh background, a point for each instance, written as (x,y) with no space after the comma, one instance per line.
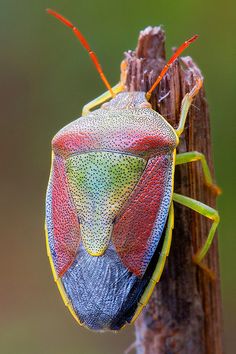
(46,77)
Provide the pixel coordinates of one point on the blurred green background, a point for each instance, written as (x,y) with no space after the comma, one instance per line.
(46,77)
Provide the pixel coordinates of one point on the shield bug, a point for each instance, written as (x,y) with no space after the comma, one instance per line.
(109,205)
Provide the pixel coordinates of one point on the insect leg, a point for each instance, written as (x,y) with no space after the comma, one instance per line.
(207,211)
(191,156)
(186,103)
(160,264)
(101,99)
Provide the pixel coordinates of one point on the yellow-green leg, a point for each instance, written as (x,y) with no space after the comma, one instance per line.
(186,103)
(101,99)
(160,264)
(191,156)
(205,210)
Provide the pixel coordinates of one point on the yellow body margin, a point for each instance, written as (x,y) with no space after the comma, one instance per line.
(55,276)
(59,283)
(162,258)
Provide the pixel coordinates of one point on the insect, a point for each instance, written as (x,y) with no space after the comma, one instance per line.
(109,203)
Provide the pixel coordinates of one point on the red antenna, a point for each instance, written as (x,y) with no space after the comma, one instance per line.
(172,59)
(85,44)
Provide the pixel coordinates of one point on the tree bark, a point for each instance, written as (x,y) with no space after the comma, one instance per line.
(184,312)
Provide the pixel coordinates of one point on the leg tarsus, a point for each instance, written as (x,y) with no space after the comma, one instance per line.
(204,267)
(216,190)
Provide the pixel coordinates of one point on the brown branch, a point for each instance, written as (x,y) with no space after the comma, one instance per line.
(184,312)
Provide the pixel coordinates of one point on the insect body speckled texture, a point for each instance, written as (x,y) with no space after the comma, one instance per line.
(109,216)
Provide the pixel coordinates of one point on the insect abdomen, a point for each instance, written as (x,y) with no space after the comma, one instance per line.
(103,292)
